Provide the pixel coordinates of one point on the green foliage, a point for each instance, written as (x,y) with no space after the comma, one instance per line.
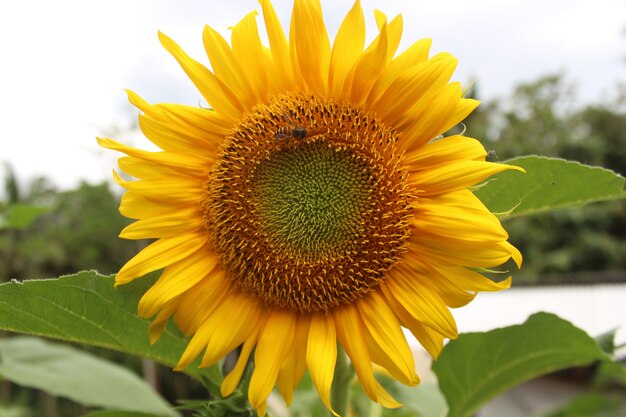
(21,216)
(548,184)
(236,405)
(425,400)
(68,372)
(118,413)
(74,230)
(306,401)
(477,366)
(14,411)
(592,405)
(85,308)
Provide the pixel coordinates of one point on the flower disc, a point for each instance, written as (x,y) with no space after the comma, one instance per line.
(313,221)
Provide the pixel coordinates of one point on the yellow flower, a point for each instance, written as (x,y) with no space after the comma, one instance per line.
(315,203)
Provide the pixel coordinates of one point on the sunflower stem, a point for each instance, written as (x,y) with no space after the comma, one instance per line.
(340,391)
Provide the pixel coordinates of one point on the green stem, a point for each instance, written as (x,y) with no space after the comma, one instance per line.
(340,391)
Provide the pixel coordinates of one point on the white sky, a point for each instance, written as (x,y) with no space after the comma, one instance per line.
(64,64)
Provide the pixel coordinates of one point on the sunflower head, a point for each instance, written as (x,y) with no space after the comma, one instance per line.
(318,202)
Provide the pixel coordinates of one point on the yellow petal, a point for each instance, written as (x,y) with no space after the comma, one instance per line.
(198,121)
(228,326)
(227,68)
(312,44)
(460,252)
(140,168)
(194,164)
(321,355)
(184,221)
(158,255)
(248,51)
(347,48)
(452,295)
(229,385)
(516,255)
(413,56)
(278,46)
(350,331)
(136,206)
(201,300)
(177,278)
(394,34)
(472,281)
(369,67)
(444,150)
(457,215)
(455,176)
(431,340)
(431,115)
(172,138)
(463,109)
(275,341)
(214,91)
(182,127)
(177,190)
(422,303)
(294,365)
(391,346)
(160,322)
(404,100)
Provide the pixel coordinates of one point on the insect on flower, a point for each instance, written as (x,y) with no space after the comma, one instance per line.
(290,130)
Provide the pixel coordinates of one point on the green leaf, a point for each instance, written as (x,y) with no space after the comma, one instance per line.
(86,379)
(21,216)
(478,366)
(606,341)
(86,308)
(117,413)
(610,374)
(424,400)
(592,405)
(13,410)
(306,401)
(548,184)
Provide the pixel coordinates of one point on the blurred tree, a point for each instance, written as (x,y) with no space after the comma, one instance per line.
(78,232)
(37,193)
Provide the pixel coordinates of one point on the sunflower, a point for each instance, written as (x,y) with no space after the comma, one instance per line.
(316,203)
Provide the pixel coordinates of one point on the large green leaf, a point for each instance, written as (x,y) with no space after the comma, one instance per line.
(86,379)
(549,183)
(478,366)
(86,308)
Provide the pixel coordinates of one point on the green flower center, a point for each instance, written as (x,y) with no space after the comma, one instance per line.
(311,198)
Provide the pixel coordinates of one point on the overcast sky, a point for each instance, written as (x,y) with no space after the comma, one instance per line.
(64,64)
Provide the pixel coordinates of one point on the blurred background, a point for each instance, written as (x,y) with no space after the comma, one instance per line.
(551,78)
